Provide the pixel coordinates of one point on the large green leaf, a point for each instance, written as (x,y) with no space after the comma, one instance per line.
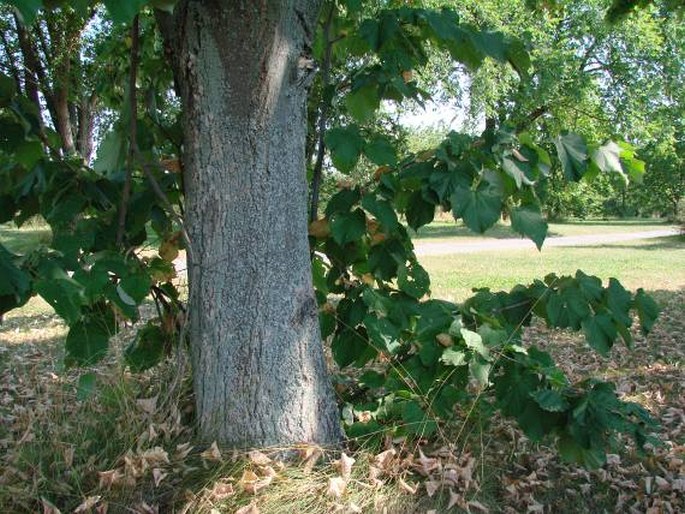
(147,349)
(600,333)
(528,220)
(420,212)
(88,339)
(573,154)
(15,283)
(345,145)
(363,102)
(647,310)
(347,227)
(62,292)
(380,150)
(123,11)
(480,208)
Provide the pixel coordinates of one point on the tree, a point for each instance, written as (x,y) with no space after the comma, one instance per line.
(260,376)
(259,372)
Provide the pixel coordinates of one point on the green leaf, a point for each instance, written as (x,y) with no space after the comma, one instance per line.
(619,301)
(111,154)
(607,158)
(15,283)
(600,333)
(413,280)
(474,341)
(27,9)
(528,221)
(345,145)
(147,349)
(420,212)
(383,334)
(85,387)
(550,400)
(647,310)
(382,210)
(452,357)
(88,340)
(573,154)
(62,292)
(381,151)
(349,346)
(521,172)
(417,422)
(363,102)
(480,208)
(123,11)
(7,90)
(480,371)
(347,227)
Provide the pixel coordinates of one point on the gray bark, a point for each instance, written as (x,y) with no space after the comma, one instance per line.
(260,377)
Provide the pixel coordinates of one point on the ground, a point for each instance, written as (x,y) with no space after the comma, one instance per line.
(127,445)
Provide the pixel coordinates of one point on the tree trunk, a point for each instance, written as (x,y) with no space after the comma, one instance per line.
(260,377)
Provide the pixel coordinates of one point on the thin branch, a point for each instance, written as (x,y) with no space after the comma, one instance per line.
(133,129)
(323,117)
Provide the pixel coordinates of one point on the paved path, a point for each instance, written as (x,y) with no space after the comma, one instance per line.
(423,247)
(454,246)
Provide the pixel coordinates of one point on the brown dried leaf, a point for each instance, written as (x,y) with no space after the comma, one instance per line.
(344,465)
(87,504)
(336,487)
(248,509)
(109,478)
(478,506)
(408,488)
(320,229)
(431,487)
(183,450)
(456,499)
(154,457)
(384,459)
(148,405)
(158,475)
(221,491)
(212,453)
(258,458)
(48,507)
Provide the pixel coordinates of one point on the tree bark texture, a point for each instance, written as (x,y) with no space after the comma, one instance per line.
(260,377)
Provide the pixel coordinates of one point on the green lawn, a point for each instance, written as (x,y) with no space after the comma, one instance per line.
(24,239)
(652,264)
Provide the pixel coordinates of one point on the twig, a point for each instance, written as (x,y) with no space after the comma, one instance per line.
(133,129)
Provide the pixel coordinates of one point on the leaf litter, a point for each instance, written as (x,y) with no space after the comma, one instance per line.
(152,461)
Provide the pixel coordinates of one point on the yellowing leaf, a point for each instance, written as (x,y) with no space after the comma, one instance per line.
(320,229)
(445,340)
(168,250)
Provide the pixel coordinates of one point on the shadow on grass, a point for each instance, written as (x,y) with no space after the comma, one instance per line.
(661,243)
(622,222)
(23,240)
(436,231)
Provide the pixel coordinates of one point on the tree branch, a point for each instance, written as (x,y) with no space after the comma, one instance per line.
(133,129)
(324,107)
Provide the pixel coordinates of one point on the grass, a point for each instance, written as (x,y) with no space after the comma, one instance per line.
(128,446)
(649,263)
(22,240)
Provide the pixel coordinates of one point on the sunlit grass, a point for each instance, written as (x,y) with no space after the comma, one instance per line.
(651,264)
